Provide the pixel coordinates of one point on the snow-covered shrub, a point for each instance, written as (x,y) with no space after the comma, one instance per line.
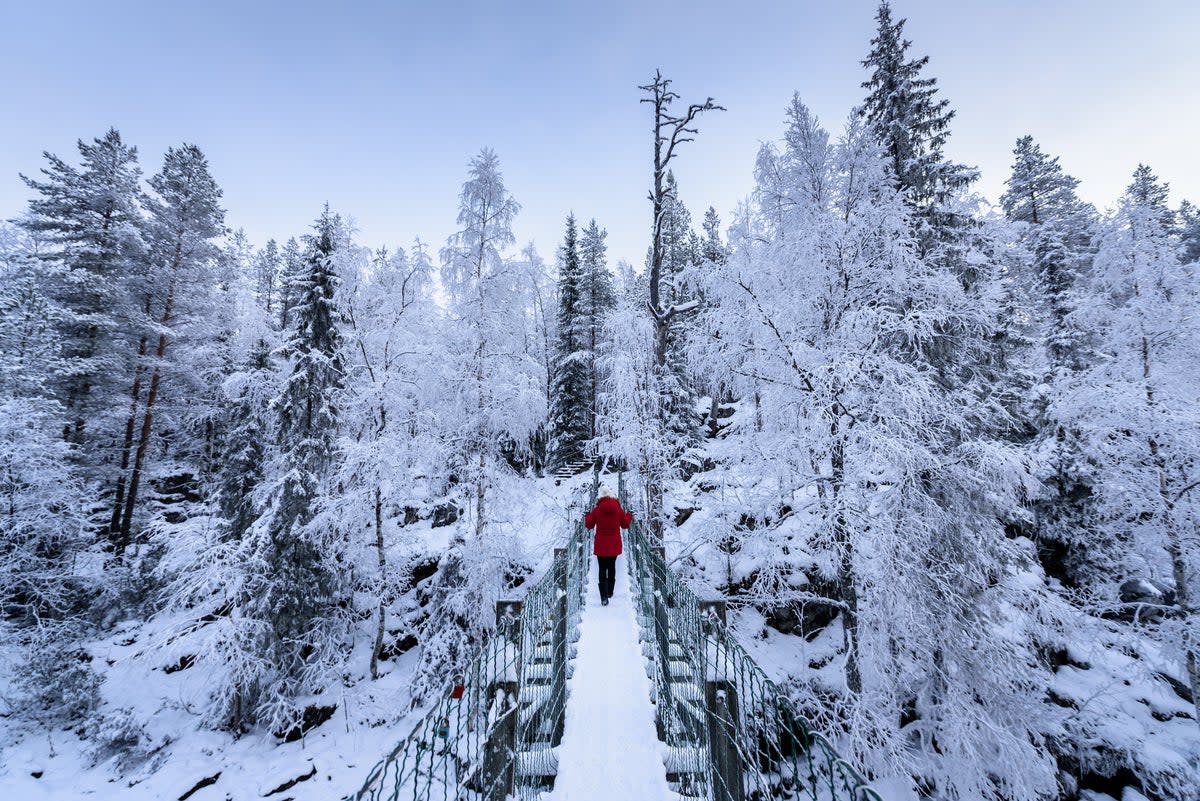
(120,736)
(56,683)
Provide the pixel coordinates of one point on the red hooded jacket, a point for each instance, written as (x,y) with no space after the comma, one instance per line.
(608,518)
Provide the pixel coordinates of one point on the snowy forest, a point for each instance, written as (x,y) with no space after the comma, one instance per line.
(940,454)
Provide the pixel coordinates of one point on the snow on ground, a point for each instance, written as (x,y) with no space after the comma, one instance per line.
(332,759)
(610,749)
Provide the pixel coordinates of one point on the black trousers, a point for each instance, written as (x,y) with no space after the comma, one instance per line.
(608,575)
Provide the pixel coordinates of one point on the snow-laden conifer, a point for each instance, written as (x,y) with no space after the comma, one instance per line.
(570,419)
(597,297)
(95,267)
(185,217)
(288,603)
(910,121)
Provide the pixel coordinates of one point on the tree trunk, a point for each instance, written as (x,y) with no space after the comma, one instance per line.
(843,538)
(1174,544)
(382,577)
(155,380)
(135,396)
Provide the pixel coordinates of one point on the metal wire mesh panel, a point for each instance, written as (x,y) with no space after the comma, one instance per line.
(730,734)
(493,734)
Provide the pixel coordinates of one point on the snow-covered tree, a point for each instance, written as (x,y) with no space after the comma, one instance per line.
(1136,410)
(50,567)
(1057,233)
(185,219)
(292,585)
(910,121)
(43,505)
(596,300)
(387,440)
(30,348)
(569,418)
(1189,230)
(90,219)
(713,250)
(671,129)
(1041,195)
(823,316)
(493,402)
(292,271)
(541,339)
(268,267)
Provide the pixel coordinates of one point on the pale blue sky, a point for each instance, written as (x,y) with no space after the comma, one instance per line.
(377,107)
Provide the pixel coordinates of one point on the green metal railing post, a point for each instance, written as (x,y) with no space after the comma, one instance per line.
(503,694)
(725,760)
(559,654)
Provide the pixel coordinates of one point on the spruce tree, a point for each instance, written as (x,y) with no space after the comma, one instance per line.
(267,269)
(295,585)
(598,298)
(910,121)
(1189,231)
(681,254)
(571,395)
(712,249)
(1057,235)
(242,465)
(1043,196)
(291,274)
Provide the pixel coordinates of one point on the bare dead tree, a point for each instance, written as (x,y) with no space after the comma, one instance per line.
(670,131)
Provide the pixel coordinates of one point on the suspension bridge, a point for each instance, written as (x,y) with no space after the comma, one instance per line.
(649,698)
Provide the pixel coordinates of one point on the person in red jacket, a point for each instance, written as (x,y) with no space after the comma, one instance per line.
(608,518)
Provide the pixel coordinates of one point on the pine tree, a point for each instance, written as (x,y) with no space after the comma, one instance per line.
(185,218)
(1043,196)
(1150,194)
(242,466)
(681,254)
(95,271)
(569,419)
(911,123)
(1057,235)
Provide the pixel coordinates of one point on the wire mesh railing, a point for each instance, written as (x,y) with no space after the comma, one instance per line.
(494,733)
(730,734)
